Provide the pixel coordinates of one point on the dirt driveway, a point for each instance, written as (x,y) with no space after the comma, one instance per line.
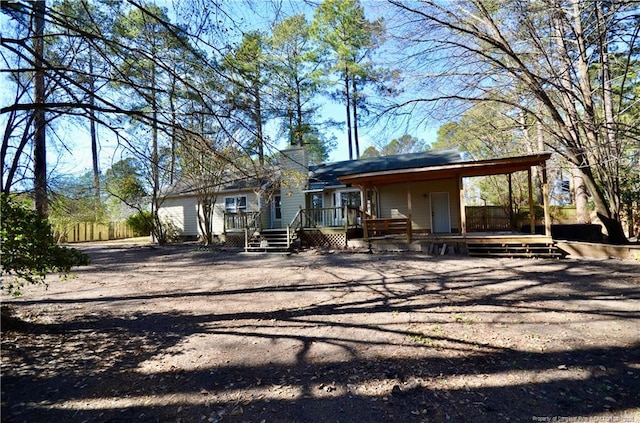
(180,334)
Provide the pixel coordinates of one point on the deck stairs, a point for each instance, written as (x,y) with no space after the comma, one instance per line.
(514,249)
(271,241)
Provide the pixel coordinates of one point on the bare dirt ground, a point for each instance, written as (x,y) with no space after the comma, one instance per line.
(183,334)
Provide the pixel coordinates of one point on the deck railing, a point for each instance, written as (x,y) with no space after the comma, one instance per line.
(383,227)
(241,221)
(347,217)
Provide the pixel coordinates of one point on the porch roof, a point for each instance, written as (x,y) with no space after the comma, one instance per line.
(500,166)
(331,174)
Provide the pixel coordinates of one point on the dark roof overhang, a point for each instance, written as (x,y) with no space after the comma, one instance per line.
(505,165)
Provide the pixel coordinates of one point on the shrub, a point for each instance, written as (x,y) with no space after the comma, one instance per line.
(28,249)
(141,223)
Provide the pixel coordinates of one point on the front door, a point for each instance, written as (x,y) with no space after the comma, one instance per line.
(440,219)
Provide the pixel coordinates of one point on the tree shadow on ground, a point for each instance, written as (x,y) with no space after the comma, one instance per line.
(96,368)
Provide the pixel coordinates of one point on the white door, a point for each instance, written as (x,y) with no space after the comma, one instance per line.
(440,219)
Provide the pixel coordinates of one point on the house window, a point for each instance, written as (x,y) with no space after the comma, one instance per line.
(277,207)
(351,198)
(235,204)
(316,213)
(316,200)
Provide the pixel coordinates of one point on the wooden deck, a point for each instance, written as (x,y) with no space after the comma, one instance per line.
(474,244)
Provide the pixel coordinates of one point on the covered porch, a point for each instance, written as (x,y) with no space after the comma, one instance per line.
(414,202)
(414,198)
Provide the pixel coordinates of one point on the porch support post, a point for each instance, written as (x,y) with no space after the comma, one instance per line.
(545,201)
(510,183)
(409,218)
(365,228)
(463,212)
(532,212)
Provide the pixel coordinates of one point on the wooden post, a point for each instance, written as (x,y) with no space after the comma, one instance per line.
(511,222)
(545,201)
(365,229)
(532,213)
(463,212)
(409,218)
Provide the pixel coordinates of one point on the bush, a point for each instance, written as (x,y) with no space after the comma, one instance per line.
(28,249)
(141,223)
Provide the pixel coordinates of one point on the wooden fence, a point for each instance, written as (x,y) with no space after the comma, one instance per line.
(90,231)
(487,218)
(496,218)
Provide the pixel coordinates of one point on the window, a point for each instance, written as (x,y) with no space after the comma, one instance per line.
(316,200)
(277,207)
(235,204)
(351,198)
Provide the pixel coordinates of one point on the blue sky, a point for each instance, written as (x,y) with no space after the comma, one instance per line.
(77,159)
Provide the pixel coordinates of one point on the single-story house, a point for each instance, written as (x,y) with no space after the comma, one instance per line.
(410,195)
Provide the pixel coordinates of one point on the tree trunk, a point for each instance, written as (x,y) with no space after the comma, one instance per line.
(354,100)
(299,118)
(531,149)
(39,121)
(348,102)
(580,198)
(93,133)
(172,107)
(15,163)
(541,147)
(612,147)
(258,118)
(155,163)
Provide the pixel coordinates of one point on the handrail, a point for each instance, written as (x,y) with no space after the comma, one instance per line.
(296,217)
(242,220)
(293,227)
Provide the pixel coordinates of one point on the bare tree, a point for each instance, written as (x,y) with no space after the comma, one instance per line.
(111,94)
(472,52)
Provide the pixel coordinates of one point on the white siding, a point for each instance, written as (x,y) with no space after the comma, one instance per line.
(253,205)
(218,216)
(393,201)
(294,180)
(181,212)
